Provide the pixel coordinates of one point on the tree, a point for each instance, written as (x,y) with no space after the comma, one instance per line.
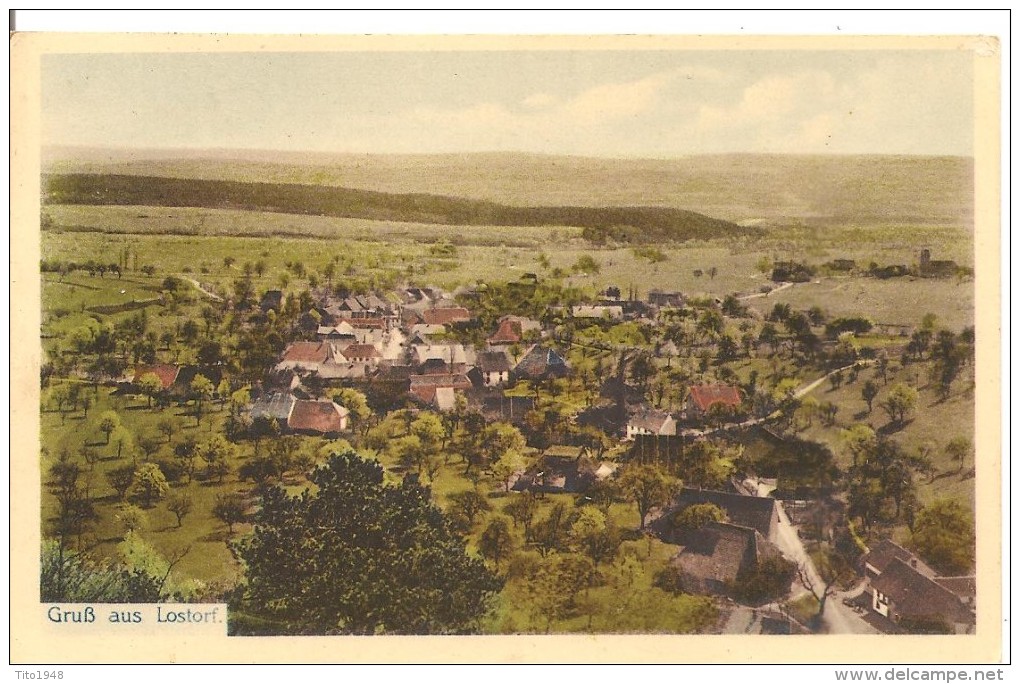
(358,556)
(958,449)
(230,509)
(217,452)
(496,541)
(647,486)
(823,577)
(120,479)
(697,516)
(594,535)
(150,484)
(522,510)
(356,403)
(168,426)
(468,504)
(124,441)
(150,385)
(900,402)
(180,504)
(203,389)
(587,265)
(869,391)
(108,422)
(944,536)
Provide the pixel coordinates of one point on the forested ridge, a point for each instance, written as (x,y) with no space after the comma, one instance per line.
(624,224)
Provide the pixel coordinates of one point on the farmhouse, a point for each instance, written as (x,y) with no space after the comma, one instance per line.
(166,373)
(756,512)
(508,333)
(494,367)
(649,421)
(307,355)
(540,363)
(317,418)
(703,397)
(273,406)
(613,312)
(560,469)
(362,353)
(446,316)
(661,299)
(715,555)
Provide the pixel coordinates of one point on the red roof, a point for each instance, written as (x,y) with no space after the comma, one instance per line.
(312,352)
(317,416)
(361,351)
(454,314)
(705,396)
(509,332)
(166,373)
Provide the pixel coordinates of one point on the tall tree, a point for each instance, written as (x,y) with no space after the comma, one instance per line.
(358,556)
(944,536)
(647,486)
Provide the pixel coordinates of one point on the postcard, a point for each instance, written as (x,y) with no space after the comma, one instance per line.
(650,349)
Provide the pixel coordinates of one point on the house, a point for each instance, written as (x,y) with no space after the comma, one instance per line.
(508,333)
(759,513)
(422,333)
(446,316)
(166,373)
(187,374)
(343,332)
(910,596)
(702,398)
(613,312)
(425,387)
(913,601)
(317,417)
(494,367)
(560,469)
(273,406)
(649,421)
(362,353)
(540,363)
(662,299)
(449,353)
(715,555)
(307,355)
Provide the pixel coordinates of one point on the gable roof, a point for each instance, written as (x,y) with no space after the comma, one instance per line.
(445,399)
(361,351)
(540,362)
(275,405)
(916,595)
(445,316)
(964,587)
(448,353)
(166,373)
(187,374)
(309,352)
(705,396)
(508,332)
(653,420)
(757,512)
(317,416)
(493,362)
(884,552)
(719,551)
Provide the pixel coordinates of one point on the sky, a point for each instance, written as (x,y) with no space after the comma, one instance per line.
(655,104)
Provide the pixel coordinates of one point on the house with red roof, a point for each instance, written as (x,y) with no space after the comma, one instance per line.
(702,398)
(362,353)
(508,333)
(446,315)
(317,417)
(167,373)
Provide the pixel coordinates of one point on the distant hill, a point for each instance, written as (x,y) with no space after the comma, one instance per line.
(834,189)
(622,224)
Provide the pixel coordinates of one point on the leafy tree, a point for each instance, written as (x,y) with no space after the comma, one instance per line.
(217,452)
(587,265)
(768,580)
(203,389)
(468,504)
(230,509)
(944,536)
(150,484)
(108,422)
(958,449)
(900,401)
(180,504)
(647,486)
(150,385)
(124,441)
(72,577)
(357,404)
(697,516)
(868,392)
(358,556)
(496,541)
(120,479)
(522,510)
(595,535)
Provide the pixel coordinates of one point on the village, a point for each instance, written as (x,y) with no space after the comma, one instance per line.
(508,398)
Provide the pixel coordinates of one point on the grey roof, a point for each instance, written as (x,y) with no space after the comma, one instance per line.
(882,553)
(275,405)
(916,595)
